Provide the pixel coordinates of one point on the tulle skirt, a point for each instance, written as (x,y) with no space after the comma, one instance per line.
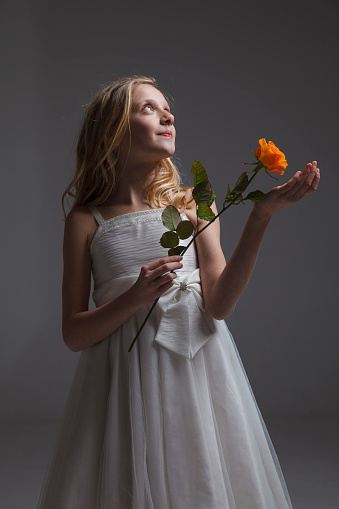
(152,429)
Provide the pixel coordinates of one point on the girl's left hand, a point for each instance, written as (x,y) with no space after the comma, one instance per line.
(300,185)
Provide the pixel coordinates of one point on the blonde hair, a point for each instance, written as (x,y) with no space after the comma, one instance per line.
(103,128)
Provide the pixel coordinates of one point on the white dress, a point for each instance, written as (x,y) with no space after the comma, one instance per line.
(173,424)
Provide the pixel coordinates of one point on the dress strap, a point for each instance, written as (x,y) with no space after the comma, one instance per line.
(97,215)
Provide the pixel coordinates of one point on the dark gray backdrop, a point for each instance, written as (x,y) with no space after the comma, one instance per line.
(237,71)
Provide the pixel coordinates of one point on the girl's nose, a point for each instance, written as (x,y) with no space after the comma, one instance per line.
(168,118)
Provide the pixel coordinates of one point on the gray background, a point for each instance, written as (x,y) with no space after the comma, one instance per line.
(237,71)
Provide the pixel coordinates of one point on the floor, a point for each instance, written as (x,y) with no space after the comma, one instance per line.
(308,450)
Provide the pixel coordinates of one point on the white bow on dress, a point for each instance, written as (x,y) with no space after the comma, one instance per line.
(181,328)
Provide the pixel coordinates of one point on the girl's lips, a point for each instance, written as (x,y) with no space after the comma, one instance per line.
(167,134)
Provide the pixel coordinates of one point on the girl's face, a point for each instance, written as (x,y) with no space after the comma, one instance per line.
(152,133)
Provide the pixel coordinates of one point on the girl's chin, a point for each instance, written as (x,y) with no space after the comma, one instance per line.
(165,154)
(170,152)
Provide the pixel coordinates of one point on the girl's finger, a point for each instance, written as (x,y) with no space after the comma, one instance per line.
(292,182)
(162,261)
(166,278)
(309,184)
(165,267)
(316,180)
(302,179)
(162,289)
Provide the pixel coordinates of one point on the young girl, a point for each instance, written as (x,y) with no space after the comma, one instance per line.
(173,424)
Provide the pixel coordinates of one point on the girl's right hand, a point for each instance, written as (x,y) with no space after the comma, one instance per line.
(299,186)
(156,278)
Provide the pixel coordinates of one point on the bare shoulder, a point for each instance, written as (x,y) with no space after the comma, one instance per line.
(189,210)
(189,197)
(80,214)
(80,225)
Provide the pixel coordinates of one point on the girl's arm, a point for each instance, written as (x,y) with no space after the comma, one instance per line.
(223,284)
(81,327)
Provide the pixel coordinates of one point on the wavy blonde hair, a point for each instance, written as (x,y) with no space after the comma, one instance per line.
(105,123)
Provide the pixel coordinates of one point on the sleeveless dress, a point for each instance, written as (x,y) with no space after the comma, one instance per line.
(173,424)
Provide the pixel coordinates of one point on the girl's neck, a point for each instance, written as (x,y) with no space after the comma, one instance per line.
(132,186)
(128,197)
(125,199)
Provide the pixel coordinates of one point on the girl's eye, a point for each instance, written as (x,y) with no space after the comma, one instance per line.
(148,107)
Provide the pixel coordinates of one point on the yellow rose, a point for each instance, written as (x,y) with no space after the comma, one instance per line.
(271,157)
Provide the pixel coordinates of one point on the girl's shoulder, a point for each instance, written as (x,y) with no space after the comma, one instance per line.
(80,224)
(80,216)
(189,210)
(189,197)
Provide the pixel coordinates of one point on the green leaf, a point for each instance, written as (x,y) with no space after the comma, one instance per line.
(170,218)
(241,184)
(234,198)
(176,250)
(205,212)
(228,197)
(185,229)
(203,193)
(169,239)
(255,196)
(199,173)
